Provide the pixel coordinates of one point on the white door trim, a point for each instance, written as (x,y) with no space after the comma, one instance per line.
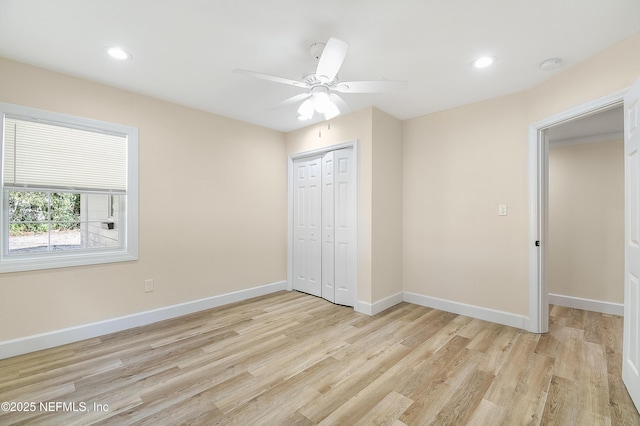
(538,212)
(298,155)
(631,332)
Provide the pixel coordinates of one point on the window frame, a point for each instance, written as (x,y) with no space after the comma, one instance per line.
(77,257)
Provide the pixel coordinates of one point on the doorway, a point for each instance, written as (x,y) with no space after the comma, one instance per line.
(585,268)
(322,223)
(539,203)
(538,226)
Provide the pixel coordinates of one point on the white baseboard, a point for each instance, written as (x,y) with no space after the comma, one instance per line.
(51,339)
(492,315)
(380,305)
(363,308)
(587,304)
(486,314)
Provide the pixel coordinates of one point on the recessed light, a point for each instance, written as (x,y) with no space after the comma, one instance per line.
(118,53)
(484,61)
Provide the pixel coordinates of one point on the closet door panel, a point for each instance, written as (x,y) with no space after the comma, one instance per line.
(328,227)
(307,258)
(345,227)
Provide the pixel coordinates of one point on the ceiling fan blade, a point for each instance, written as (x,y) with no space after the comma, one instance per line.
(331,59)
(272,78)
(371,86)
(293,100)
(342,105)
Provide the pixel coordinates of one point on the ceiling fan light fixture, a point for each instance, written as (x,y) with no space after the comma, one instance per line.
(306,110)
(321,102)
(331,111)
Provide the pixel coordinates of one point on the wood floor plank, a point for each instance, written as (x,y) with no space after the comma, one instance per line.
(594,381)
(593,327)
(440,388)
(561,406)
(575,318)
(487,413)
(291,359)
(460,407)
(498,352)
(523,382)
(373,399)
(483,339)
(294,387)
(375,393)
(435,320)
(387,411)
(349,385)
(425,372)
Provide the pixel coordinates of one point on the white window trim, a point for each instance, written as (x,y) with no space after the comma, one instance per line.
(129,251)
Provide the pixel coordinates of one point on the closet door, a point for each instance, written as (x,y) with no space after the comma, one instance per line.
(324,226)
(345,254)
(307,198)
(328,228)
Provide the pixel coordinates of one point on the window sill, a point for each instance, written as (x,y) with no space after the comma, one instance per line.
(64,260)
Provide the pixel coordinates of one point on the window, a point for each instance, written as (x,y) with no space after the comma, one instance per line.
(69,190)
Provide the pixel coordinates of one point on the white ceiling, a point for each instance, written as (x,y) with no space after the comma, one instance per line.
(184,51)
(598,127)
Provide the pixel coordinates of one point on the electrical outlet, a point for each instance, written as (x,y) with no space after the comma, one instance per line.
(148,285)
(502,210)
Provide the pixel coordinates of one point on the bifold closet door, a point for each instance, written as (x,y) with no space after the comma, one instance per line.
(324,210)
(328,227)
(338,227)
(307,199)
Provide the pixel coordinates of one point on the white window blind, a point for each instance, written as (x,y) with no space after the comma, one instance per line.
(43,155)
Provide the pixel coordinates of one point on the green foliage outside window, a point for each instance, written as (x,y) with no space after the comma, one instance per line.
(32,212)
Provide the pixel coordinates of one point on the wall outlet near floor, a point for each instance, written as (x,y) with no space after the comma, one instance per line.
(148,285)
(502,210)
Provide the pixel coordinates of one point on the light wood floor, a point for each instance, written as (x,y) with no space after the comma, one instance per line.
(294,359)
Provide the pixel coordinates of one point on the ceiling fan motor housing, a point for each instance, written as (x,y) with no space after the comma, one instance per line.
(312,80)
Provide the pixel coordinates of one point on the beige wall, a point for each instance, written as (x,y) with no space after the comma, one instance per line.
(586,221)
(612,70)
(460,164)
(201,178)
(386,265)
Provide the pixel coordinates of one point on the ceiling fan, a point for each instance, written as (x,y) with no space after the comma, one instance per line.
(321,86)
